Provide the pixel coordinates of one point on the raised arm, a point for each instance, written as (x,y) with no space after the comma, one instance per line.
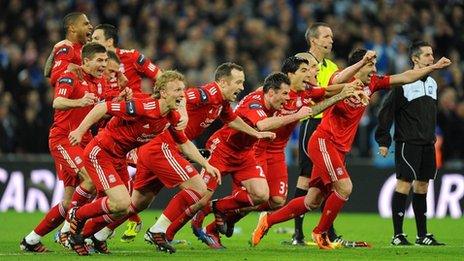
(416,74)
(90,119)
(348,73)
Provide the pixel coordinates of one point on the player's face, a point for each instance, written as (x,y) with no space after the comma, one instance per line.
(112,69)
(98,36)
(324,40)
(279,97)
(97,65)
(425,57)
(300,78)
(83,29)
(366,72)
(173,93)
(233,85)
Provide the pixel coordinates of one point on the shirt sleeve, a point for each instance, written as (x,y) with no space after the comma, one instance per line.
(178,135)
(227,114)
(314,93)
(196,96)
(130,109)
(145,66)
(64,86)
(252,113)
(379,82)
(332,77)
(62,57)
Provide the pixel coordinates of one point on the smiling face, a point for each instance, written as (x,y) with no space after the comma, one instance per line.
(305,75)
(232,85)
(173,93)
(83,29)
(277,98)
(96,65)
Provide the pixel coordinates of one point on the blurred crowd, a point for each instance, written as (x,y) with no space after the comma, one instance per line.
(194,36)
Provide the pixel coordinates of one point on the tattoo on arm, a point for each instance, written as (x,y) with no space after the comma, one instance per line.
(326,103)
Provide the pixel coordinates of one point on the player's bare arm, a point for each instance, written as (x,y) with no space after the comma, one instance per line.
(348,73)
(416,74)
(240,125)
(275,122)
(93,117)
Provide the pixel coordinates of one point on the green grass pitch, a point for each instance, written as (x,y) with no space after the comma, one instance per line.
(368,227)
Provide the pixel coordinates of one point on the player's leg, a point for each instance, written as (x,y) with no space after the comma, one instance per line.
(297,206)
(427,171)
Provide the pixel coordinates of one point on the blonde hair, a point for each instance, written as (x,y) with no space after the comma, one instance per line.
(164,79)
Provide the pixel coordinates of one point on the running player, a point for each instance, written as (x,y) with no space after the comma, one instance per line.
(327,149)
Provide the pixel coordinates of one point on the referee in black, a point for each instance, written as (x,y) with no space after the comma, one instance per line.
(413,109)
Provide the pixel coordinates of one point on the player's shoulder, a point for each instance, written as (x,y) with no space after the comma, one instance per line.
(253,100)
(68,77)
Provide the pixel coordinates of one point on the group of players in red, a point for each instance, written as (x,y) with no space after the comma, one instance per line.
(101,116)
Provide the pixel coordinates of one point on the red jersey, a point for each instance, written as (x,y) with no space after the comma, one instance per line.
(63,55)
(69,86)
(340,122)
(251,109)
(296,101)
(134,65)
(204,105)
(135,123)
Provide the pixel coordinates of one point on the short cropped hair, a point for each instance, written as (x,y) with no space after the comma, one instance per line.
(313,31)
(292,63)
(225,70)
(110,31)
(70,19)
(274,81)
(90,49)
(356,55)
(113,56)
(164,79)
(415,48)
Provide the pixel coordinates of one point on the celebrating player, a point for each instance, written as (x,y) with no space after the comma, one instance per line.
(327,148)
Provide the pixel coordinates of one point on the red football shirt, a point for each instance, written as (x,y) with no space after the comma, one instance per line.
(69,86)
(135,123)
(340,122)
(63,55)
(134,65)
(252,110)
(297,100)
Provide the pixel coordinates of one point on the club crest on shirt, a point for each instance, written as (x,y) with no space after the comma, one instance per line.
(189,169)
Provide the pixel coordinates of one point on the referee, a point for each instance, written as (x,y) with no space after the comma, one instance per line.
(413,108)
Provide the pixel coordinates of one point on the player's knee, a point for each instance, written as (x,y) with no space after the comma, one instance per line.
(312,203)
(421,187)
(66,203)
(259,196)
(119,206)
(344,190)
(200,188)
(277,202)
(403,186)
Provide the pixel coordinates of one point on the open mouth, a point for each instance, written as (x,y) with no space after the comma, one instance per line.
(89,36)
(235,94)
(178,101)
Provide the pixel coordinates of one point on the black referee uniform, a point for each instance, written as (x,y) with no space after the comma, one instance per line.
(413,109)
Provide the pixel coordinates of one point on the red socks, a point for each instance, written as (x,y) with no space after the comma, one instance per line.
(97,208)
(295,207)
(179,203)
(239,199)
(80,197)
(333,205)
(52,220)
(96,224)
(178,223)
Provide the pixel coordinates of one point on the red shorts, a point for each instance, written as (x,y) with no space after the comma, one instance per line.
(275,169)
(68,161)
(159,161)
(105,170)
(329,162)
(241,165)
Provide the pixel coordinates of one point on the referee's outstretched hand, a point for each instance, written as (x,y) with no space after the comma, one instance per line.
(442,63)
